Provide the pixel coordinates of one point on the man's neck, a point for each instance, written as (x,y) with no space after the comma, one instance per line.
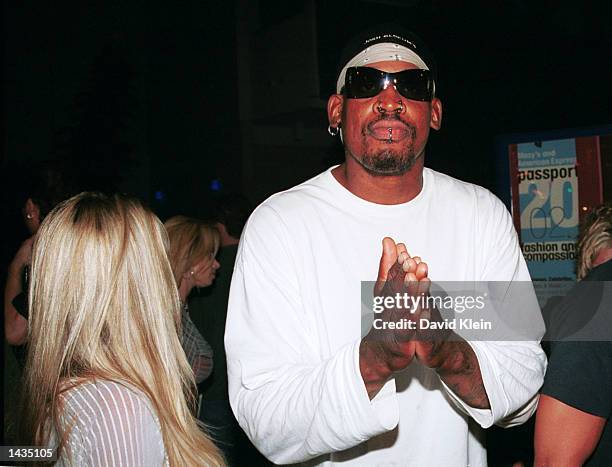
(603,256)
(379,189)
(229,241)
(226,239)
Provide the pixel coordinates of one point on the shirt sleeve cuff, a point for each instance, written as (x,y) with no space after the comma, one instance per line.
(382,412)
(484,417)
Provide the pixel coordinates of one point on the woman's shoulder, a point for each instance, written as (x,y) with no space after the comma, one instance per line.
(102,397)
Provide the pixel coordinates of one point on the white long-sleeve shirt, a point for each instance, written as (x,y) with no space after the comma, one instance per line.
(294,327)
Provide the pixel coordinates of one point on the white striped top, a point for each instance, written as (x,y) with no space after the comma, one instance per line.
(114,425)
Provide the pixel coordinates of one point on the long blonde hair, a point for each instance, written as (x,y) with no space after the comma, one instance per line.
(191,240)
(595,234)
(103,304)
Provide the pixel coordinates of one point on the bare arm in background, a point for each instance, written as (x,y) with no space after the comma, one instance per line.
(564,435)
(15,325)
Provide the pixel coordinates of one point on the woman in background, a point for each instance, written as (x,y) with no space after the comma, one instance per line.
(43,186)
(193,247)
(107,381)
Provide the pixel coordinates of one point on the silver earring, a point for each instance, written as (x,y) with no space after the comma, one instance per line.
(333,130)
(28,216)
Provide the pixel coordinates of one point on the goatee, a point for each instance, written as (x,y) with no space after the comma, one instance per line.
(389,162)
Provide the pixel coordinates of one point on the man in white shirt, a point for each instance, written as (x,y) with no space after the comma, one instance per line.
(305,383)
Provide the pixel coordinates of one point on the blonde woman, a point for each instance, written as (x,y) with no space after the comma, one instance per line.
(193,247)
(107,381)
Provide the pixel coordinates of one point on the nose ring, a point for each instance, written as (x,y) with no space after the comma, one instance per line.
(398,110)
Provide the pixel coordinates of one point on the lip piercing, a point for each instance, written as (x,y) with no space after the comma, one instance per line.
(390,135)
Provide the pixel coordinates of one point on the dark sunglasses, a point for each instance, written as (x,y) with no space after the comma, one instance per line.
(362,82)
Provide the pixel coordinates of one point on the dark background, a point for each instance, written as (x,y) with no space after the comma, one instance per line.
(154,97)
(167,100)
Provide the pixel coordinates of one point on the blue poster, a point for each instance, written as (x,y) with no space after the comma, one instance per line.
(548,201)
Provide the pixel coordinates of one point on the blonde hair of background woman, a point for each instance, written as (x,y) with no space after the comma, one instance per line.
(104,305)
(191,241)
(595,234)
